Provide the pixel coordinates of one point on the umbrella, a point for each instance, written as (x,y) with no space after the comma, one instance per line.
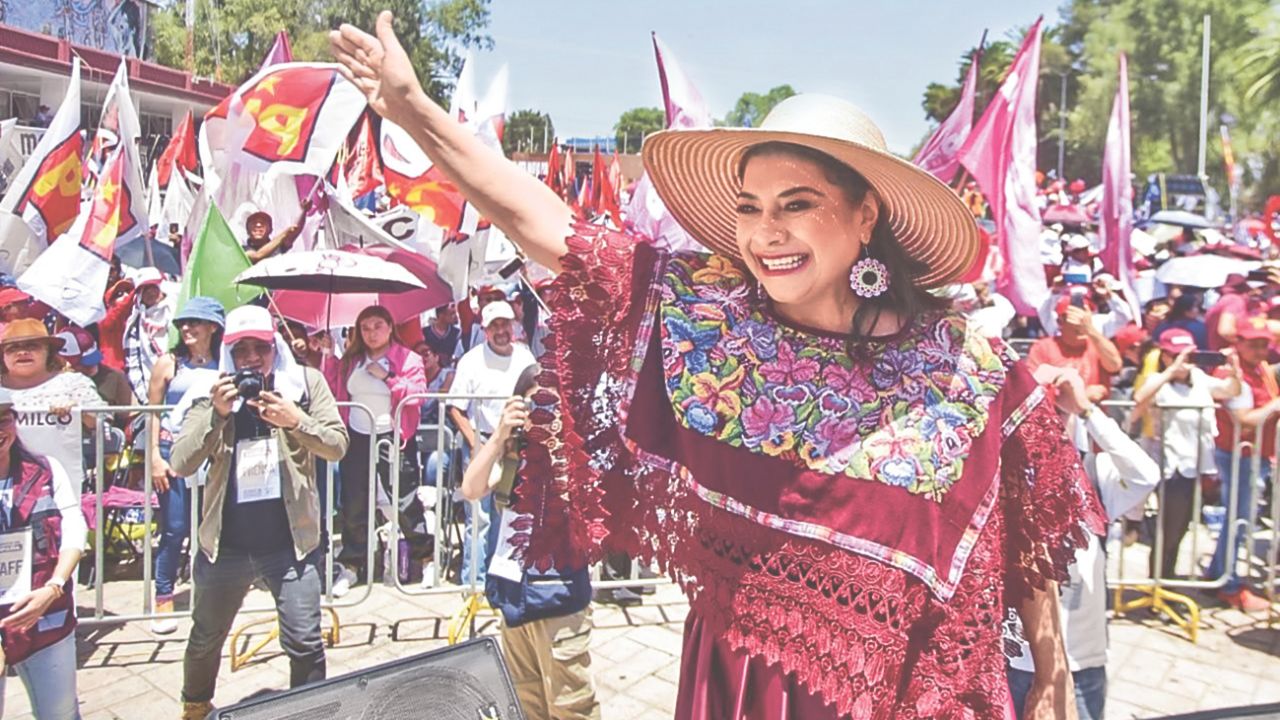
(165,256)
(1066,215)
(330,272)
(317,308)
(1203,271)
(1181,218)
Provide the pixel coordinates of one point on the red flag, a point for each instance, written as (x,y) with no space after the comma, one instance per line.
(1000,153)
(108,218)
(180,150)
(938,156)
(604,198)
(363,169)
(554,168)
(45,192)
(281,51)
(430,195)
(1117,193)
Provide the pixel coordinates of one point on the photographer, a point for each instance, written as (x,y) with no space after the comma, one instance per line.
(261,427)
(546,618)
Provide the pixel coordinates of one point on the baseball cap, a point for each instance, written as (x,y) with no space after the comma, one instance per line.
(1255,328)
(1076,241)
(258,215)
(1065,302)
(496,310)
(1129,336)
(11,295)
(149,276)
(78,346)
(1175,340)
(249,321)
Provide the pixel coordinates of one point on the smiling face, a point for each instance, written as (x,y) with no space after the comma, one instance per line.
(196,334)
(799,233)
(254,354)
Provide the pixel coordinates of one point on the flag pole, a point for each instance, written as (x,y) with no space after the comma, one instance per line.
(1204,97)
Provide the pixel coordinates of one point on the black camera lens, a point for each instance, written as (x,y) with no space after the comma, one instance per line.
(249,384)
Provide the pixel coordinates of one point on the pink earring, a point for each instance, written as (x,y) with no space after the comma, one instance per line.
(869,278)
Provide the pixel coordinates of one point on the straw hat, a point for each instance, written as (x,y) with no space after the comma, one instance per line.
(696,174)
(24,329)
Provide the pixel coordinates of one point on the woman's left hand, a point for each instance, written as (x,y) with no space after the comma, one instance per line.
(29,609)
(278,411)
(62,411)
(1050,700)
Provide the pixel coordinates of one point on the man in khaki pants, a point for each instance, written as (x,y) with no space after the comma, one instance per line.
(546,617)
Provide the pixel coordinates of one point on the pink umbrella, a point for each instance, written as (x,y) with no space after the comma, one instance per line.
(318,309)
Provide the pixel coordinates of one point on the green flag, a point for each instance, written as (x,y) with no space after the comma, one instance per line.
(216,259)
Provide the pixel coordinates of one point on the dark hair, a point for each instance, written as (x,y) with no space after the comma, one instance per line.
(53,362)
(527,379)
(356,349)
(904,296)
(1183,305)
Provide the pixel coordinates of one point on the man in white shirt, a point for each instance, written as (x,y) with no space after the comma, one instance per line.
(486,370)
(1123,476)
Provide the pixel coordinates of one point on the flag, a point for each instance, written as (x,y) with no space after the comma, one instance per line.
(362,168)
(281,51)
(180,152)
(216,259)
(647,215)
(938,156)
(292,118)
(1117,194)
(134,221)
(554,167)
(71,276)
(45,193)
(604,197)
(413,181)
(1000,153)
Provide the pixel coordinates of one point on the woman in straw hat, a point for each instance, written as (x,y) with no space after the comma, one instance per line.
(850,485)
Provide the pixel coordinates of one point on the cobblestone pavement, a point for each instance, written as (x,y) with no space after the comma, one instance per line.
(125,672)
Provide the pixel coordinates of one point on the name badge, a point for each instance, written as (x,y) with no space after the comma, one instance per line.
(15,566)
(257,470)
(504,564)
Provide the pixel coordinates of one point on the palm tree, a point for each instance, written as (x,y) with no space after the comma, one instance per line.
(1258,61)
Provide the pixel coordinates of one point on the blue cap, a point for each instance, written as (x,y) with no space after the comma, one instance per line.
(202,308)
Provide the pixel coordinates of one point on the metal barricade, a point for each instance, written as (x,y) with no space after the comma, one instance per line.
(1155,587)
(152,414)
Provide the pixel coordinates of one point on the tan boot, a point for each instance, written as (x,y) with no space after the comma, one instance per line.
(164,626)
(196,710)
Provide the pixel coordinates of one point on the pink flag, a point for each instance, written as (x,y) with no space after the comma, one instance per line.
(281,51)
(938,156)
(1000,153)
(645,212)
(1117,192)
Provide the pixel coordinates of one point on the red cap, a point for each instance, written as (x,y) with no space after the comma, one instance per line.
(1255,328)
(11,295)
(1065,302)
(1077,186)
(1129,336)
(1175,340)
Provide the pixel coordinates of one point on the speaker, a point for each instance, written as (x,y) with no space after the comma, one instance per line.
(461,682)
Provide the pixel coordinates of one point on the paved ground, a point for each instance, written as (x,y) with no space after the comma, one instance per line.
(128,673)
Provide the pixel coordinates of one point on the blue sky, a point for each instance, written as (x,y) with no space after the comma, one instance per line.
(587,62)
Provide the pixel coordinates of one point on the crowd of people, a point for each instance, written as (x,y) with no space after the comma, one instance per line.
(760,423)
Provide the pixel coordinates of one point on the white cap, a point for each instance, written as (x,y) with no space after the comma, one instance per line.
(496,310)
(149,276)
(249,321)
(1076,241)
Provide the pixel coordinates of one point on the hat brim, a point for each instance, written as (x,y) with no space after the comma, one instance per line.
(696,174)
(263,335)
(56,343)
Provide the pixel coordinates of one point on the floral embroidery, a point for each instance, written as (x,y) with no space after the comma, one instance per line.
(905,418)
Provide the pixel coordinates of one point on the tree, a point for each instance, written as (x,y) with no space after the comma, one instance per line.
(234,35)
(752,108)
(528,131)
(636,123)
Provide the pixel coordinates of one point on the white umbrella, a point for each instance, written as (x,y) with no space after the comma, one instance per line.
(1203,271)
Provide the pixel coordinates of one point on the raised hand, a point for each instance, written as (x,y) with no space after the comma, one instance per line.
(379,66)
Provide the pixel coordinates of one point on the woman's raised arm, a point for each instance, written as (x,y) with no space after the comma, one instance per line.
(517,202)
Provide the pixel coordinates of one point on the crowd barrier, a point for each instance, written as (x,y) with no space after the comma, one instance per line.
(434,434)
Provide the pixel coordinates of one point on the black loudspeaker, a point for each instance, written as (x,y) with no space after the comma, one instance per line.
(462,682)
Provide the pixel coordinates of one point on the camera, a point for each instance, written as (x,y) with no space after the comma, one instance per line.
(250,384)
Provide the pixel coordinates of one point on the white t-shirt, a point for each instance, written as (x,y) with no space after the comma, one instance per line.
(368,390)
(481,371)
(1123,475)
(44,433)
(1189,433)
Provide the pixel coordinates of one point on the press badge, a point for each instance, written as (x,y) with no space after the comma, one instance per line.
(15,565)
(257,470)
